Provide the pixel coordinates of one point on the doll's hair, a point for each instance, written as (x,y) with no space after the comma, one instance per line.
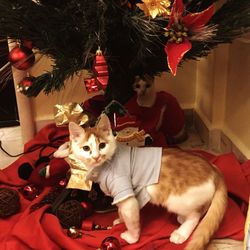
(144,77)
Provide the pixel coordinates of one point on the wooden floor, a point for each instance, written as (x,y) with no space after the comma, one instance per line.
(226,244)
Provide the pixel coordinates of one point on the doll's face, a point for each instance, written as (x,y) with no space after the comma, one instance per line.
(143,85)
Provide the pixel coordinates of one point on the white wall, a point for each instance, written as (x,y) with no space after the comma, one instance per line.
(237,106)
(182,86)
(223,93)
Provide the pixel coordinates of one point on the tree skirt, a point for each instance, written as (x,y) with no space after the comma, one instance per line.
(42,230)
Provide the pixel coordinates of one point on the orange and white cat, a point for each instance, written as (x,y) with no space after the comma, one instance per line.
(186,185)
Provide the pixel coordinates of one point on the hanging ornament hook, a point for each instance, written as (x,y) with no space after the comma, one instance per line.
(98,51)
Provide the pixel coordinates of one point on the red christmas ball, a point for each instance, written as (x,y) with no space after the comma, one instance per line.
(88,208)
(21,58)
(110,243)
(25,84)
(30,192)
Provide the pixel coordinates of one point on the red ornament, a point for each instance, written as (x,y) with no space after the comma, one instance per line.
(21,58)
(88,208)
(100,69)
(88,225)
(91,86)
(100,74)
(110,243)
(30,192)
(25,84)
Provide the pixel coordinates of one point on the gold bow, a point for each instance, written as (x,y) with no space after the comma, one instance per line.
(78,174)
(69,112)
(155,8)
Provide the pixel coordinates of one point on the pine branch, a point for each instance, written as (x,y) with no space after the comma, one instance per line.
(194,6)
(233,19)
(69,32)
(229,27)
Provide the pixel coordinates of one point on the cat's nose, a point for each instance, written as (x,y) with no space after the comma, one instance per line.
(96,158)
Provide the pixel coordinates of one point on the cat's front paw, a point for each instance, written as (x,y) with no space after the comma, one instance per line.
(129,237)
(177,238)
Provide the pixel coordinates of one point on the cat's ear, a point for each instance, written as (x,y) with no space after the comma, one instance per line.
(75,131)
(62,151)
(104,123)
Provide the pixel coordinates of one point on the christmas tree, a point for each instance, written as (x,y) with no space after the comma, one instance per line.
(136,37)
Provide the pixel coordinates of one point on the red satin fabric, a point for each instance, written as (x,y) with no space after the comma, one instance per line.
(41,231)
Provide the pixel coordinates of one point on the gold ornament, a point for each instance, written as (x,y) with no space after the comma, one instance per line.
(74,233)
(69,112)
(78,174)
(155,8)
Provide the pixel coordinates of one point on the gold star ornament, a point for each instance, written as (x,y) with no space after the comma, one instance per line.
(155,8)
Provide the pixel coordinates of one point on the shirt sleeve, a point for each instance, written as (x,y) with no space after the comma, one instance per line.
(121,188)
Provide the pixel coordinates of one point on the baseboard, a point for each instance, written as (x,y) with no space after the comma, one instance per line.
(189,117)
(216,139)
(227,145)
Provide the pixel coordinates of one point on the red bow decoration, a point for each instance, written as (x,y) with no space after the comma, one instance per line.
(181,29)
(90,84)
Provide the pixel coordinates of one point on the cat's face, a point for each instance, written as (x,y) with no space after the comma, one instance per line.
(143,85)
(93,146)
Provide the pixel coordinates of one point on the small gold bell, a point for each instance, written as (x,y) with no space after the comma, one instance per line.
(74,233)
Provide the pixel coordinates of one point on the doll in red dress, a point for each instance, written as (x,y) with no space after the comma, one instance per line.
(159,112)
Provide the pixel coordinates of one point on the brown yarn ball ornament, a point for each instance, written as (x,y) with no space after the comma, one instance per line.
(70,214)
(9,202)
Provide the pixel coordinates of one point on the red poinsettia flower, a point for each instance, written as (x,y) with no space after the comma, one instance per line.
(181,29)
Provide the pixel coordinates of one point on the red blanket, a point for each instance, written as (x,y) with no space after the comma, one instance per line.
(41,230)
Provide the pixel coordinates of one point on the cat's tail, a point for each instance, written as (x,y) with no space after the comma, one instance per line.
(211,221)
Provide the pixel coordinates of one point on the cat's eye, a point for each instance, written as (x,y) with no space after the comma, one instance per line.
(86,148)
(102,145)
